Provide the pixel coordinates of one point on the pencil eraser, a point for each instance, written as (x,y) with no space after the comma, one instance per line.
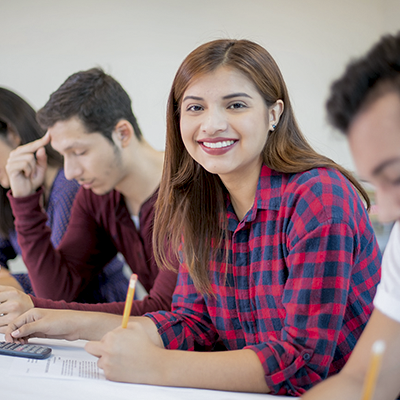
(378,347)
(133,280)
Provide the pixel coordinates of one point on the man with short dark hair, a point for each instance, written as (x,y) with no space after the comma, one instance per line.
(89,121)
(365,105)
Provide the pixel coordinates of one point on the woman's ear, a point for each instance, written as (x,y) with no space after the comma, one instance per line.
(13,138)
(275,112)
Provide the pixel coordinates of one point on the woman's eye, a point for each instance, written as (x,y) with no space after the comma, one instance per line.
(237,105)
(194,108)
(80,153)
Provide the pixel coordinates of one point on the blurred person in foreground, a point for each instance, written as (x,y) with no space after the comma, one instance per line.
(365,105)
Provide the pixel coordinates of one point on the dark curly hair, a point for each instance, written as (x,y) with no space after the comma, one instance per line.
(365,80)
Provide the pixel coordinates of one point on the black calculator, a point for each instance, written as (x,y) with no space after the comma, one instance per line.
(24,350)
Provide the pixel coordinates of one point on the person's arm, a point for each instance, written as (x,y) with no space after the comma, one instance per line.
(187,327)
(297,359)
(61,324)
(333,265)
(136,354)
(62,273)
(56,274)
(349,383)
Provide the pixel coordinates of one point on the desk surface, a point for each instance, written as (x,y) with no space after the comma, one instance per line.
(37,388)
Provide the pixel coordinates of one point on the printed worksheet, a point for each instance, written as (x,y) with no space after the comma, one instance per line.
(58,367)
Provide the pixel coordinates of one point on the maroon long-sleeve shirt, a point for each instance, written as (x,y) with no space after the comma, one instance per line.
(100,226)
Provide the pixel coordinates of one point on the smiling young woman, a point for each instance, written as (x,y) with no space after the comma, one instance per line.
(265,226)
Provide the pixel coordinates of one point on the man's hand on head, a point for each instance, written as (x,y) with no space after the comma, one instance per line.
(26,167)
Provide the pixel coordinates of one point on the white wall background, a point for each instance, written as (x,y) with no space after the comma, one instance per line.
(142,42)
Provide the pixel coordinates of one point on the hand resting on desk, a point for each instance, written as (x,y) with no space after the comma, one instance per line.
(60,324)
(13,303)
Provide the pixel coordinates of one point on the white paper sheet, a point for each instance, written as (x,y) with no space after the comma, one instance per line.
(53,384)
(58,367)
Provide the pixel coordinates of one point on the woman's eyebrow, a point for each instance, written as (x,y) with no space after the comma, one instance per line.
(192,98)
(240,94)
(227,97)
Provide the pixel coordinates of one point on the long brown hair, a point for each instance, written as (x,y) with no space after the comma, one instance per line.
(190,210)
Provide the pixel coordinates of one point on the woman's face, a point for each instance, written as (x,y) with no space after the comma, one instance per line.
(225,123)
(5,150)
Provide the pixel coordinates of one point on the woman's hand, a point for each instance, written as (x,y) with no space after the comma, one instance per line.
(129,355)
(13,303)
(137,355)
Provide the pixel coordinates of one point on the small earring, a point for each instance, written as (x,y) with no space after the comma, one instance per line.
(273,126)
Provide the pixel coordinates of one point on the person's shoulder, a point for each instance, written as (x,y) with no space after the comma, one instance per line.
(329,176)
(321,182)
(326,193)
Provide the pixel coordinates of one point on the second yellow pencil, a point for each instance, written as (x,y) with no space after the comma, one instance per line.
(373,371)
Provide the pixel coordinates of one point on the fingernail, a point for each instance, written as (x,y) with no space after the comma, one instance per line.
(15,333)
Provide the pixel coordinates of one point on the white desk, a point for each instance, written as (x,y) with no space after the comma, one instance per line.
(13,387)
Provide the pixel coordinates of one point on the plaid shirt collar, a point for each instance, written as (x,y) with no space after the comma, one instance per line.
(268,197)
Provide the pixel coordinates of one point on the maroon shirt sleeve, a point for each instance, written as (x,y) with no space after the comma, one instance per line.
(62,273)
(159,298)
(113,308)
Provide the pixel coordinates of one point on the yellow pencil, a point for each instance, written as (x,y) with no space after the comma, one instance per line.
(128,301)
(377,351)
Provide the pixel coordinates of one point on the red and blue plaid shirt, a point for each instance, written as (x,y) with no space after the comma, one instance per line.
(302,272)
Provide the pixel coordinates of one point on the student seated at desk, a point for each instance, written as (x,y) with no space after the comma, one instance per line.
(279,263)
(365,105)
(89,121)
(18,126)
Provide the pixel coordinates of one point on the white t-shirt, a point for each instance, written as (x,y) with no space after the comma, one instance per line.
(387,299)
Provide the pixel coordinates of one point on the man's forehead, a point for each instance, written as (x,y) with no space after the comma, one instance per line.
(377,117)
(64,140)
(66,144)
(374,135)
